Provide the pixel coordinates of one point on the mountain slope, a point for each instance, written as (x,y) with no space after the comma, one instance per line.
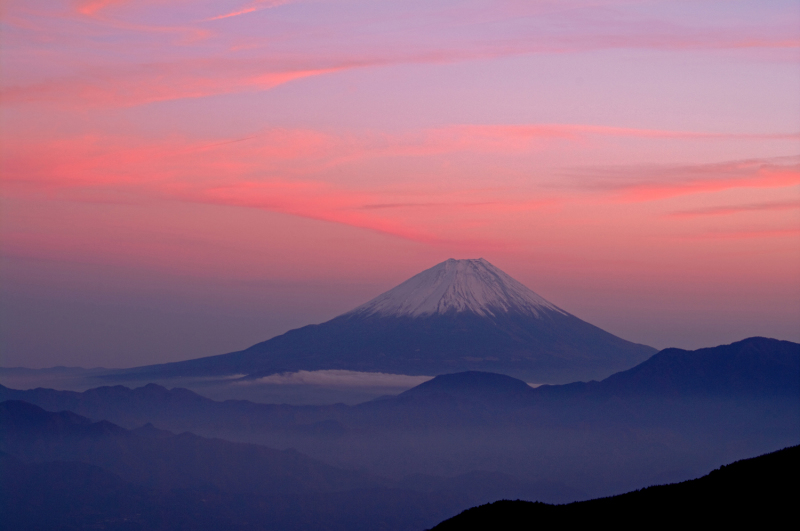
(759,491)
(459,315)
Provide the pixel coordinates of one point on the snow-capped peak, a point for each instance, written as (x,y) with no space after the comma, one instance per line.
(474,286)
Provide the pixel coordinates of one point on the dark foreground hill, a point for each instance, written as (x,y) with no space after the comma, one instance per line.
(459,315)
(673,417)
(761,492)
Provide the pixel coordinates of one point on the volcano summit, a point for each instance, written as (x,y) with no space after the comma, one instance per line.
(455,286)
(459,315)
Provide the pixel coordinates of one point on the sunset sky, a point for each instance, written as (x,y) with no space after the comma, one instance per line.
(184,178)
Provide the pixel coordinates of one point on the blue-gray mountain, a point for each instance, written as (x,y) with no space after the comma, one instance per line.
(63,471)
(459,315)
(669,418)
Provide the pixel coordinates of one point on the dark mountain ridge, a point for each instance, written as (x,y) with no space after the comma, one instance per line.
(759,491)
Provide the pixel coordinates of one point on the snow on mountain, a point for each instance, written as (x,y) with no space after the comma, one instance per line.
(474,286)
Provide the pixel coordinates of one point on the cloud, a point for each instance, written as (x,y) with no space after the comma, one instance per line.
(516,137)
(206,60)
(252,7)
(780,232)
(725,210)
(653,183)
(306,173)
(143,84)
(93,7)
(341,378)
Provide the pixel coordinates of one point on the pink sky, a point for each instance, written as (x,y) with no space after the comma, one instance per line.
(184,178)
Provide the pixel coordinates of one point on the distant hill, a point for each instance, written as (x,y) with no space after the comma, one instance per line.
(66,495)
(460,315)
(760,492)
(753,367)
(162,460)
(59,470)
(473,386)
(657,422)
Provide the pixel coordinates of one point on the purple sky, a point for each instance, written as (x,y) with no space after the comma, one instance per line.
(184,178)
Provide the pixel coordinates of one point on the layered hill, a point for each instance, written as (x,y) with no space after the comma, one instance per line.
(672,417)
(754,368)
(60,470)
(459,315)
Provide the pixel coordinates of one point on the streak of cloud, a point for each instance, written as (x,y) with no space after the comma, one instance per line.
(725,210)
(309,47)
(252,7)
(341,378)
(652,183)
(780,232)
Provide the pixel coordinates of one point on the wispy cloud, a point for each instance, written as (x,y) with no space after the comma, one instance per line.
(309,45)
(653,183)
(725,210)
(154,83)
(251,7)
(297,172)
(781,232)
(93,7)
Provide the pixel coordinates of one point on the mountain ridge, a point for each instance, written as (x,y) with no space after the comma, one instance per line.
(573,433)
(770,368)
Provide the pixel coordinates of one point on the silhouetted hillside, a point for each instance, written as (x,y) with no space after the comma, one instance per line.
(761,492)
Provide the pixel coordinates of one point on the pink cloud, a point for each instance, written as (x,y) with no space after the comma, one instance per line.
(205,63)
(155,82)
(726,210)
(296,172)
(745,234)
(708,178)
(252,7)
(503,137)
(222,173)
(93,7)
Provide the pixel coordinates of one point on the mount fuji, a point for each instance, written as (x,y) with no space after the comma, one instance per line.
(459,315)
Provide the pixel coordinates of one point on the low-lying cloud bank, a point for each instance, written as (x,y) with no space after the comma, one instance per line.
(341,378)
